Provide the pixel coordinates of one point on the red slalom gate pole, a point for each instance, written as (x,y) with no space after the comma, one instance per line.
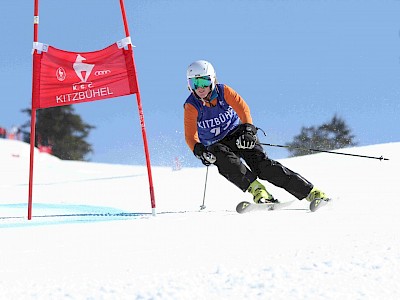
(141,116)
(33,112)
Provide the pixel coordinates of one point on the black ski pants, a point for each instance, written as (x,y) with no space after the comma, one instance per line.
(230,165)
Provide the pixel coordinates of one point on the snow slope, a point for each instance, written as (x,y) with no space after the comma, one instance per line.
(93,237)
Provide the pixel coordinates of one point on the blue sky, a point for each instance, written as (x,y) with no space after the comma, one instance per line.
(295,62)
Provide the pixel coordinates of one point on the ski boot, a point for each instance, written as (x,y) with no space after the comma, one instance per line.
(317,198)
(260,194)
(316,194)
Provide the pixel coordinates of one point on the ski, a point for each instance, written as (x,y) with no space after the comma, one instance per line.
(245,206)
(318,203)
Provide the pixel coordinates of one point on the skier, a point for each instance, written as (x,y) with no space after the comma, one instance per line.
(219,130)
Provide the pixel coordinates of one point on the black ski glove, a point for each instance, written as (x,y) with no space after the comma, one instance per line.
(200,151)
(247,136)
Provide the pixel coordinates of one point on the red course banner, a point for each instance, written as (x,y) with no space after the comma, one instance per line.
(64,78)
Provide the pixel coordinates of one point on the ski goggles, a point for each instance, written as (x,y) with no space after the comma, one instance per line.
(199,82)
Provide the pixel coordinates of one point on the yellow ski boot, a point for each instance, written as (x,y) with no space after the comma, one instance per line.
(260,194)
(316,194)
(317,198)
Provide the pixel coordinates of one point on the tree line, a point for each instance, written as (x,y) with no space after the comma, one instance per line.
(61,129)
(66,133)
(332,135)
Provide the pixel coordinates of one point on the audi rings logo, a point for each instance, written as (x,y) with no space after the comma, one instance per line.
(60,73)
(102,72)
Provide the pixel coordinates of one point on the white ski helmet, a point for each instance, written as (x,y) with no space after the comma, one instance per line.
(201,68)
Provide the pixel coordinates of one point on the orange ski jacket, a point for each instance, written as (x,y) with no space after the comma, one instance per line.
(190,114)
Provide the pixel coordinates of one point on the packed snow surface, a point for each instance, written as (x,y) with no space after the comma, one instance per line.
(93,236)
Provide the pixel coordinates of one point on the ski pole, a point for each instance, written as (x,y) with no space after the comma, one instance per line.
(325,151)
(204,195)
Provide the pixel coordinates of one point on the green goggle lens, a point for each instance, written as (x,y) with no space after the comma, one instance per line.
(199,82)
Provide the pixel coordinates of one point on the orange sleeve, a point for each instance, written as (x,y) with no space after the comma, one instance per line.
(190,125)
(238,104)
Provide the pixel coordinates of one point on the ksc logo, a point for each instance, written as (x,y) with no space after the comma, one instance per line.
(61,74)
